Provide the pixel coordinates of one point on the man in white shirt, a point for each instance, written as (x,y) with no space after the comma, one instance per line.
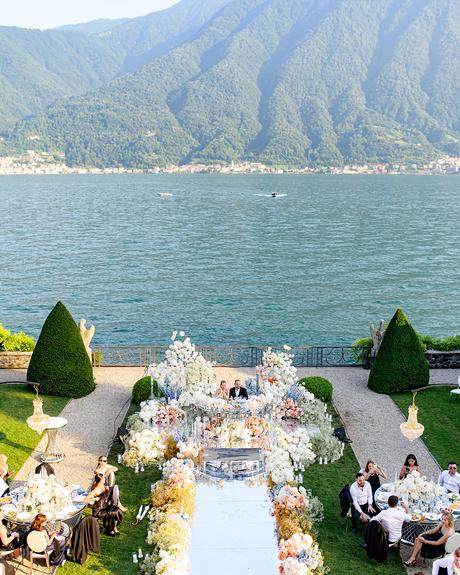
(361,508)
(451,563)
(393,518)
(450,479)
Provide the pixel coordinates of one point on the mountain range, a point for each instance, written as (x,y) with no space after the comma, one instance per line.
(289,82)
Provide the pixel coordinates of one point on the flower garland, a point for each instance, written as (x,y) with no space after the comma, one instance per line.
(295,511)
(173,506)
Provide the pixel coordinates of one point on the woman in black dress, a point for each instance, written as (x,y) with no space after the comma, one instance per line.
(106,502)
(433,541)
(372,473)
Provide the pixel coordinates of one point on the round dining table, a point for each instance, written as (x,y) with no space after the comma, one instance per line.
(421,520)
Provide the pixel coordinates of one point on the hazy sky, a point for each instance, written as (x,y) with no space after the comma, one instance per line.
(51,13)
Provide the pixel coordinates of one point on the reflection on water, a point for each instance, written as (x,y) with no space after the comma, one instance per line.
(233,531)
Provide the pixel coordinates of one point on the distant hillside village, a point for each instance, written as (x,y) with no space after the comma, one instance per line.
(48,164)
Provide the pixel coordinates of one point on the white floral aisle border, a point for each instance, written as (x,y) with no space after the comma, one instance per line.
(170,521)
(297,433)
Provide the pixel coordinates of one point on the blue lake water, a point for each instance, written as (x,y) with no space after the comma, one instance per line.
(225,263)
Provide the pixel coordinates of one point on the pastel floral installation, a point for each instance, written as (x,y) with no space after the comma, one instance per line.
(170,521)
(289,425)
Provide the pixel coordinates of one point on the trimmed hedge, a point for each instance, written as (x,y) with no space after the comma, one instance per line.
(18,341)
(400,364)
(142,388)
(59,362)
(319,386)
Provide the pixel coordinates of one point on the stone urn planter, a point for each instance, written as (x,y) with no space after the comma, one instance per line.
(15,359)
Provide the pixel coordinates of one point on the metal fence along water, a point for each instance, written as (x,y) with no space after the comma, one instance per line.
(234,356)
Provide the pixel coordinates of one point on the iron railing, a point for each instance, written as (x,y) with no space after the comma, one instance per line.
(234,355)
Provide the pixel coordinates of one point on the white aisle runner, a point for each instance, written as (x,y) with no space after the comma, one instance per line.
(233,531)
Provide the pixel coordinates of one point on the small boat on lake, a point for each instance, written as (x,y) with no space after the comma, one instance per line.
(165,194)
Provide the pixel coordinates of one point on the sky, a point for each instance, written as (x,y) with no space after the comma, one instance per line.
(51,13)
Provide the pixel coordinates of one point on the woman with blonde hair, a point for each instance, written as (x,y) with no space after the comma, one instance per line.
(8,540)
(433,541)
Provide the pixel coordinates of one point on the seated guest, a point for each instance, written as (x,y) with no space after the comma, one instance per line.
(8,540)
(107,470)
(106,502)
(450,478)
(393,518)
(434,538)
(409,465)
(372,473)
(361,508)
(450,564)
(222,390)
(55,544)
(238,392)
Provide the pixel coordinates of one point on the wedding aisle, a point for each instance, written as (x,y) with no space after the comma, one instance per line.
(233,531)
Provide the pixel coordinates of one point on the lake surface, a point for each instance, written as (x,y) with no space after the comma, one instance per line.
(224,262)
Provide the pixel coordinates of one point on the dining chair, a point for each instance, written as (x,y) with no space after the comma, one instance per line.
(452,543)
(37,544)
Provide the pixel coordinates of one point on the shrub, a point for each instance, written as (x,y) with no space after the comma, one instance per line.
(319,386)
(360,354)
(18,341)
(142,389)
(400,364)
(59,362)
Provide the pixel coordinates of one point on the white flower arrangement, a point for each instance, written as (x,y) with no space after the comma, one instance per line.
(146,447)
(44,494)
(416,488)
(185,368)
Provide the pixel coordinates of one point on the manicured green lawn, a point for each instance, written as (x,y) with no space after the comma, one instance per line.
(340,547)
(440,414)
(17,440)
(116,552)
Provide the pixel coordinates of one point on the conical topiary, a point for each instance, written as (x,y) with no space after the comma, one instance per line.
(400,364)
(59,362)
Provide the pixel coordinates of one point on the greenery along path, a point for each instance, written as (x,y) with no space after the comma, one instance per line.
(17,440)
(440,414)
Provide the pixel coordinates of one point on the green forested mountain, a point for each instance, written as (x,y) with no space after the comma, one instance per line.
(281,81)
(39,67)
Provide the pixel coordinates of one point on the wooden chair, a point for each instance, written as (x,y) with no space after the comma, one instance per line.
(37,544)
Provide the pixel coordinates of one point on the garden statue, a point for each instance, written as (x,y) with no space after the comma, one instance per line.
(377,335)
(86,335)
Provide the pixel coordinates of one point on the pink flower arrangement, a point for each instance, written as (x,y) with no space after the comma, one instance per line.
(290,498)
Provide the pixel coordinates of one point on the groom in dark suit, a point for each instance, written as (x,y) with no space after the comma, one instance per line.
(238,392)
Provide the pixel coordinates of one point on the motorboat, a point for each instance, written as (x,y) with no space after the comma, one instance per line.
(164,194)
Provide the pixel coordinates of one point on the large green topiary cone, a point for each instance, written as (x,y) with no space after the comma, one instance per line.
(400,364)
(59,362)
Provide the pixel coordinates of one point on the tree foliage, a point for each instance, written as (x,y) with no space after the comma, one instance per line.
(289,82)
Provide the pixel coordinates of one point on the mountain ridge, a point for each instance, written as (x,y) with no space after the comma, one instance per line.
(280,81)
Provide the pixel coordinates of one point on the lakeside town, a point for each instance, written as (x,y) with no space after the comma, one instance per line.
(33,163)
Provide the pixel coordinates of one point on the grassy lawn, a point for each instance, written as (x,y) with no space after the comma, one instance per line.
(341,548)
(17,440)
(116,552)
(440,414)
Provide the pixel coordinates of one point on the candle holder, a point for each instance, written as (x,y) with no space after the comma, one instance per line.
(135,559)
